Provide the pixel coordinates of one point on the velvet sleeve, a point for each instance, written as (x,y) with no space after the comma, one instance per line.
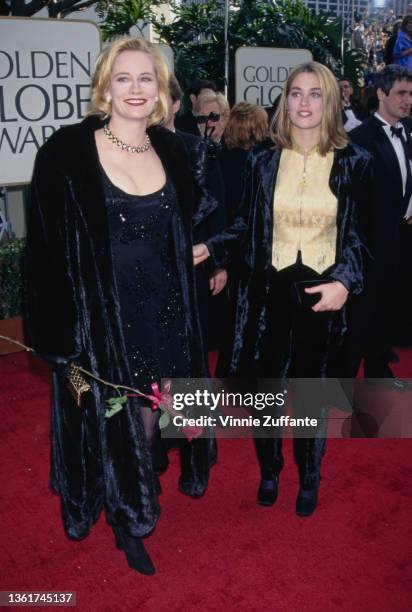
(52,321)
(198,158)
(350,267)
(226,247)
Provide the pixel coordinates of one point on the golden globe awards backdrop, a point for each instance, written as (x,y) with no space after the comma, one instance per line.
(45,71)
(261,72)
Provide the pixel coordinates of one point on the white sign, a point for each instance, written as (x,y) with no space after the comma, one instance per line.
(169,57)
(45,72)
(261,72)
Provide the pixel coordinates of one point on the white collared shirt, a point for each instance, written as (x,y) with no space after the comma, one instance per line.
(351,121)
(400,154)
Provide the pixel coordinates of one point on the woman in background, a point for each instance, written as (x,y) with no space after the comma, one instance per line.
(212,113)
(247,126)
(402,51)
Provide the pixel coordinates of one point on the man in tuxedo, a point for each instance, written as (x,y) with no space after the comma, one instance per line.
(352,113)
(387,136)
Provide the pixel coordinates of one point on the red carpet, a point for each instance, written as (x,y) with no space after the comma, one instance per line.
(222,552)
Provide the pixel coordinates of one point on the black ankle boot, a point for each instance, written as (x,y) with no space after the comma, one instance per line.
(306,501)
(137,556)
(268,491)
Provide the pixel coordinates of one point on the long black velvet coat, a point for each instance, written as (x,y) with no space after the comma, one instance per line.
(249,239)
(74,314)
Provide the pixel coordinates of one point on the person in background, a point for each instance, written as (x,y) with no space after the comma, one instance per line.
(186,122)
(402,51)
(212,114)
(358,35)
(210,217)
(387,137)
(247,126)
(352,114)
(369,100)
(390,43)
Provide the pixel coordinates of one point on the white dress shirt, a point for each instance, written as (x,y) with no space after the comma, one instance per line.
(351,121)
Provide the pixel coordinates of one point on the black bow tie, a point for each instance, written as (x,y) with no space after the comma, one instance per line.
(407,145)
(397,131)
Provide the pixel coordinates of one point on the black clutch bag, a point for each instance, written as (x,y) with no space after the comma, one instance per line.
(303,299)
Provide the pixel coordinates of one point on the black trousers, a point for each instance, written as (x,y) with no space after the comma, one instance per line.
(381,317)
(298,340)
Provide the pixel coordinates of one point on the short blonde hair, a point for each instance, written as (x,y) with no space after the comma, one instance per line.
(211,96)
(104,65)
(332,134)
(247,125)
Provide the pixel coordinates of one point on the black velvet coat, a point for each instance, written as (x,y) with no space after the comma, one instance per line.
(249,239)
(74,314)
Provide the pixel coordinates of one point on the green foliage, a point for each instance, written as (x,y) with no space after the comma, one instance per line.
(197,33)
(196,37)
(120,15)
(11,277)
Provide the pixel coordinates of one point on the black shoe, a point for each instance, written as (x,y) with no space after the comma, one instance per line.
(196,490)
(306,501)
(268,492)
(137,556)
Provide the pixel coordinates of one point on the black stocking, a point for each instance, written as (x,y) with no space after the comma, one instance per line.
(153,438)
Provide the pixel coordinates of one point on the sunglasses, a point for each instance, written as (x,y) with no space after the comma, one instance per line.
(214,117)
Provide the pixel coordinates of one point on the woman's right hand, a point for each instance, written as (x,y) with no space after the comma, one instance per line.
(200,253)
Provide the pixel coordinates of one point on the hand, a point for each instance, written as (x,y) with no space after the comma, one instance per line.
(218,281)
(333,296)
(409,221)
(200,253)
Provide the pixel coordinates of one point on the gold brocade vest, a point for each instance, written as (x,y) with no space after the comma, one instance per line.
(304,211)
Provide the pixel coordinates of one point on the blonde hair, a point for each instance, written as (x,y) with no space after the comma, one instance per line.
(247,125)
(104,65)
(211,96)
(332,133)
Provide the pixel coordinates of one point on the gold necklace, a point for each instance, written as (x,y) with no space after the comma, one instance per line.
(124,146)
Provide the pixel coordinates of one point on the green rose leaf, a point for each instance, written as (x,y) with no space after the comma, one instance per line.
(117,400)
(164,420)
(113,409)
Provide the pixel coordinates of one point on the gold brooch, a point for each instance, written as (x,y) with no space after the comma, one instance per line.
(77,384)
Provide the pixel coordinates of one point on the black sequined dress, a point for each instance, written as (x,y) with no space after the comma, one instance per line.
(147,283)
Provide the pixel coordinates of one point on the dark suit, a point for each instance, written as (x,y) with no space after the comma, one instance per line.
(187,123)
(209,220)
(384,218)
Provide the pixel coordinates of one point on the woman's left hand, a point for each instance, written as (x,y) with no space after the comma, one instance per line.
(333,296)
